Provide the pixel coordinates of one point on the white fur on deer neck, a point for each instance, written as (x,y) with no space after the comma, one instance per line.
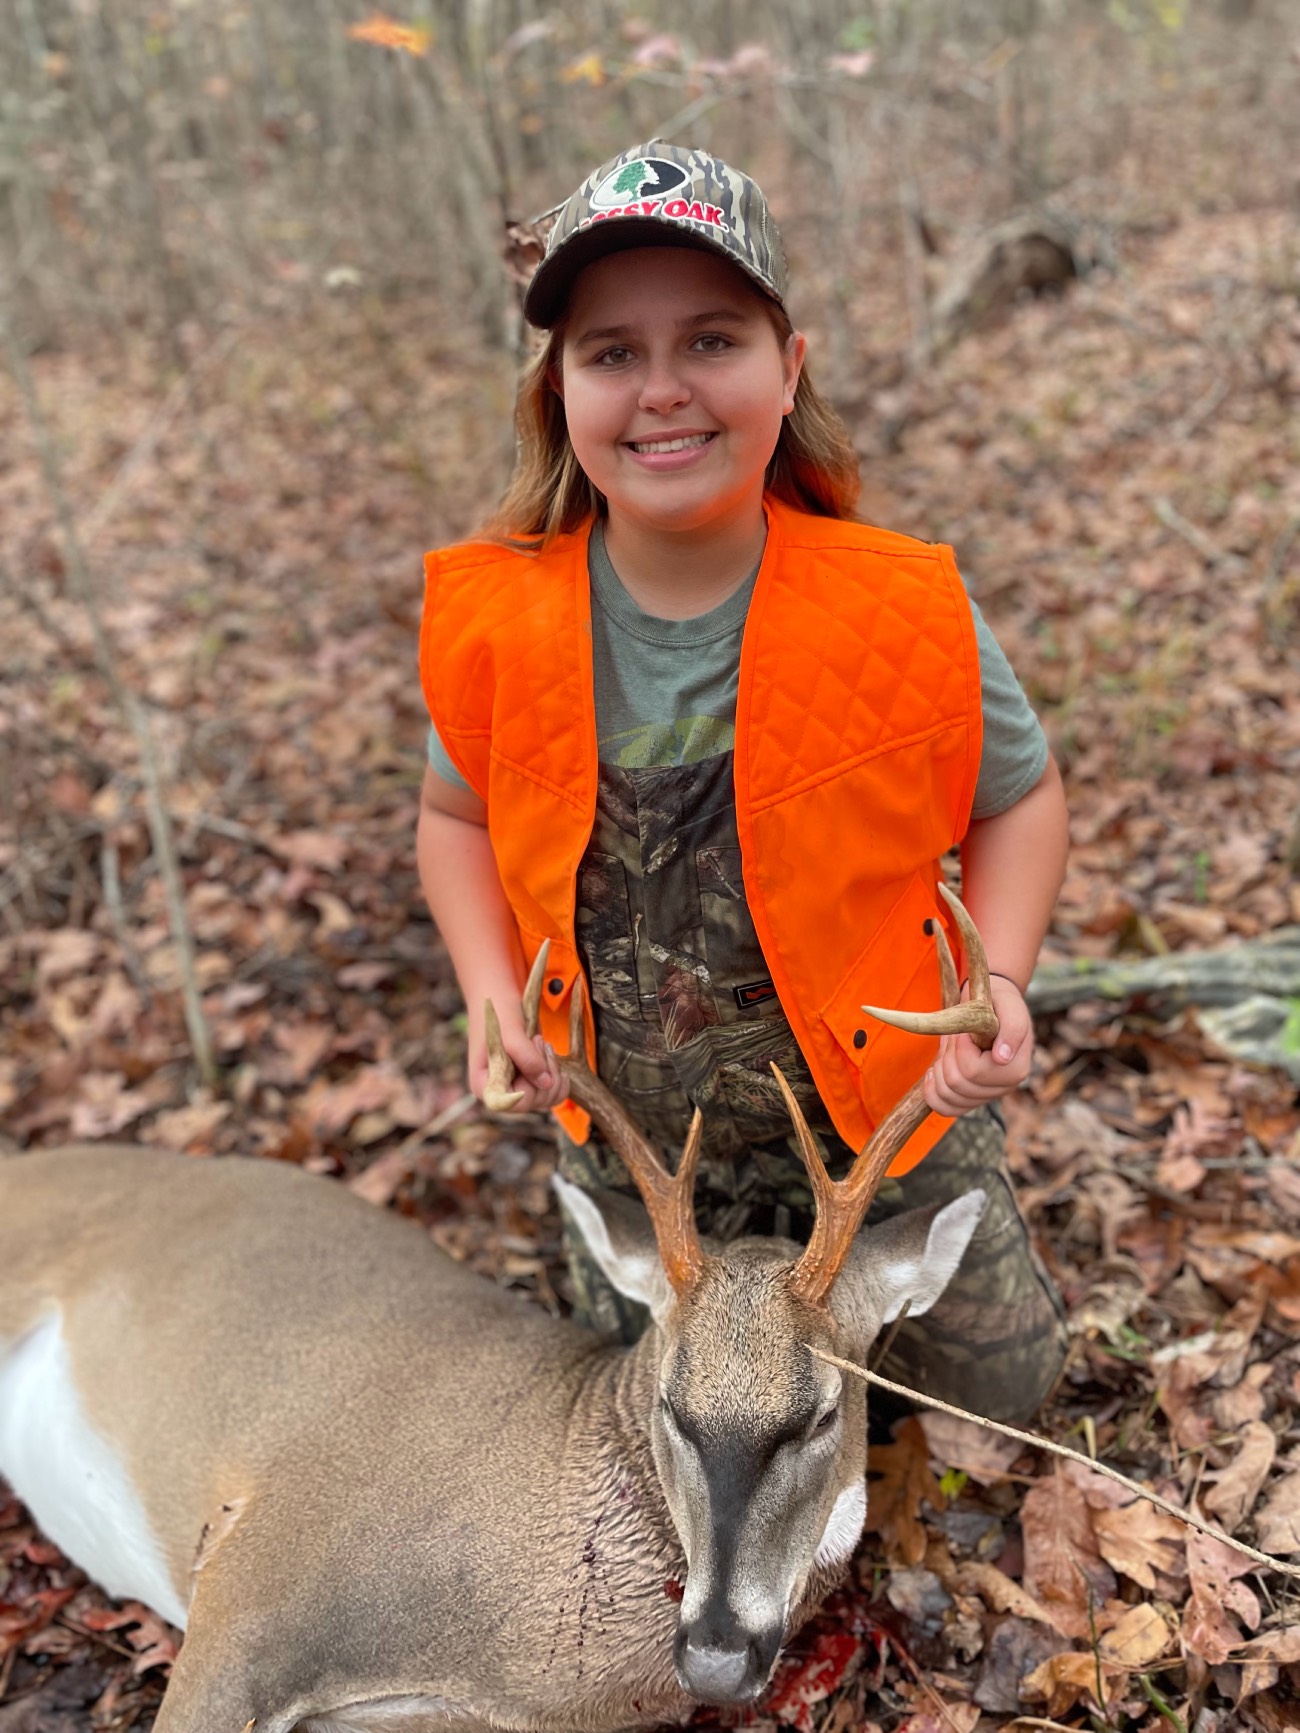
(844,1529)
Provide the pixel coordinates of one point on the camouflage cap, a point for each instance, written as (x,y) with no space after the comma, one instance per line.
(658,195)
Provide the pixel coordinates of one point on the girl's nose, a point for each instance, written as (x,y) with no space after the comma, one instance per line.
(662,388)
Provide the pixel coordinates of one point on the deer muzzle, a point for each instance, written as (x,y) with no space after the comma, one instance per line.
(718,1661)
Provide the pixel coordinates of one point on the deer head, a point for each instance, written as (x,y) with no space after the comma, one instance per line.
(759,1445)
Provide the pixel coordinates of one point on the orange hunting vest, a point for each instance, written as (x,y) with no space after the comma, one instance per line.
(858,732)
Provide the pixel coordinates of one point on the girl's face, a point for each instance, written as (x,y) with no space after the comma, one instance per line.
(675,384)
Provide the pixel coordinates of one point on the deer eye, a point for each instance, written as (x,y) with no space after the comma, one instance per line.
(827,1420)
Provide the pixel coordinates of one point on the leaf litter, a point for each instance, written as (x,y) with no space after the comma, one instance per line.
(265,601)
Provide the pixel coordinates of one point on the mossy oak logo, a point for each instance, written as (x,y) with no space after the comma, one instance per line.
(646,177)
(650,186)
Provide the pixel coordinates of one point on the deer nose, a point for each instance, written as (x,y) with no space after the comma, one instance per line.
(717,1675)
(722,1660)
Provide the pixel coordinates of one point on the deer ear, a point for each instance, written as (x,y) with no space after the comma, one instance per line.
(912,1258)
(622,1241)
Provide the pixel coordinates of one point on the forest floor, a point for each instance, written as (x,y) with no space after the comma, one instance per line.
(1119,470)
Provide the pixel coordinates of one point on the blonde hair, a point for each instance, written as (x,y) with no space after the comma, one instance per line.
(814,467)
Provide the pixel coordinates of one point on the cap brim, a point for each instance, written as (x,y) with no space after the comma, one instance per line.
(548,290)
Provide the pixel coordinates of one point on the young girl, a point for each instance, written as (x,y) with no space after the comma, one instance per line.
(710,735)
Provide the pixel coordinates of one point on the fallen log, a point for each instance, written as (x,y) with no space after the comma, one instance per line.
(1269,965)
(1029,253)
(1247,997)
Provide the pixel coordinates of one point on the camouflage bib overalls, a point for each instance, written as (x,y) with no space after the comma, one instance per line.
(687,1016)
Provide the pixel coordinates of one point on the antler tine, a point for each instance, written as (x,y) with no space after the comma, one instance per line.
(531,997)
(842,1205)
(976,1017)
(949,985)
(498,1096)
(823,1186)
(669,1198)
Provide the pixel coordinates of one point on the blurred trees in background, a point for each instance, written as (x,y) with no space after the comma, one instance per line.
(169,164)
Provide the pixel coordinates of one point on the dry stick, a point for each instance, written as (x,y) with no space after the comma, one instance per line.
(1210,552)
(131,708)
(1263,1558)
(434,1127)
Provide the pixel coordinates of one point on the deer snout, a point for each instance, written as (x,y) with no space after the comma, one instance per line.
(719,1662)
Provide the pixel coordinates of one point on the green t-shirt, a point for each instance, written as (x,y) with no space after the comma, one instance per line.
(666,690)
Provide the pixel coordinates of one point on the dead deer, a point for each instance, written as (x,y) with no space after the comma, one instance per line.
(381,1493)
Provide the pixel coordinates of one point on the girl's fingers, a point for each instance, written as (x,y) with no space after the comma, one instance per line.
(538,1076)
(963,1077)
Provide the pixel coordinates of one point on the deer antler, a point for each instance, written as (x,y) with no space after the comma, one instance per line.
(668,1197)
(841,1205)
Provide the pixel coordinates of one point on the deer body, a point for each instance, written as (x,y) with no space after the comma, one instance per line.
(336,1325)
(358,1473)
(381,1493)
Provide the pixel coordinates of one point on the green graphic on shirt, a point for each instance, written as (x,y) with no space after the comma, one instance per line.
(689,740)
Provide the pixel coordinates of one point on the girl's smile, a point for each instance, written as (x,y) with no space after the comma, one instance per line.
(675,384)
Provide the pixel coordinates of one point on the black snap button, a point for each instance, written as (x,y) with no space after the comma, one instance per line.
(859,1037)
(928,926)
(555,985)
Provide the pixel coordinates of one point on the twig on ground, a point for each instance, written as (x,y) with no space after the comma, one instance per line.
(1032,1438)
(380,1180)
(1203,408)
(1173,519)
(438,1124)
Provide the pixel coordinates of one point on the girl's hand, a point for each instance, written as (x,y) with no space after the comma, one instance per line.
(962,1077)
(538,1073)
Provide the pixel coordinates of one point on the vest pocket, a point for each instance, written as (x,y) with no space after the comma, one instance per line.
(898,970)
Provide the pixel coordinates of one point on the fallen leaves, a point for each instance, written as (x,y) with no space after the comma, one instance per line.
(1277,1521)
(1142,1543)
(901,1481)
(1238,1485)
(1218,1598)
(1064,1567)
(1163,1183)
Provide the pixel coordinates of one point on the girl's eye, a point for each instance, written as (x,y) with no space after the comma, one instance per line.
(613,357)
(712,342)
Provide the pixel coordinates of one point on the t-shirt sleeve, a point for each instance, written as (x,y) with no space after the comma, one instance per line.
(440,761)
(1014,754)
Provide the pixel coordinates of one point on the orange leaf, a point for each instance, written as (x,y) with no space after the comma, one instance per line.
(387,33)
(588,69)
(894,1499)
(1208,1631)
(1239,1484)
(1072,1678)
(1277,1521)
(1140,1540)
(1261,1658)
(1138,1637)
(1064,1568)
